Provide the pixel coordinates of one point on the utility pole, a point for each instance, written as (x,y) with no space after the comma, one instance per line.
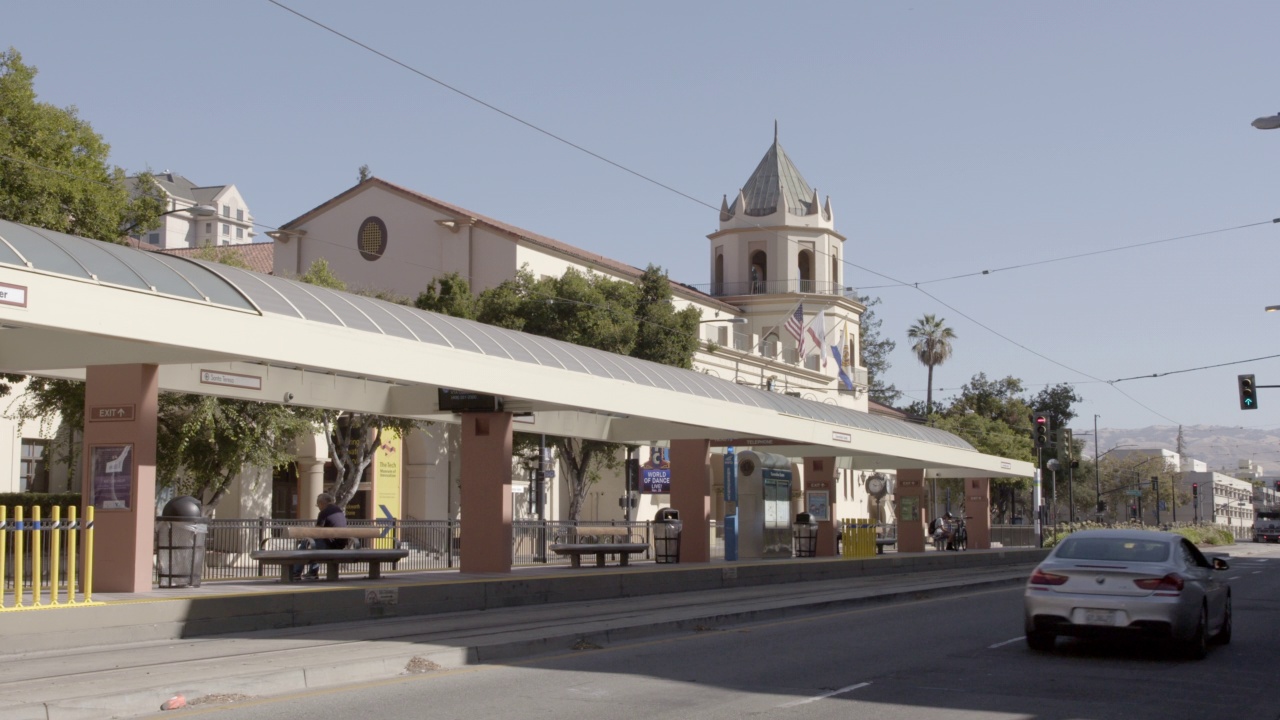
(1097,478)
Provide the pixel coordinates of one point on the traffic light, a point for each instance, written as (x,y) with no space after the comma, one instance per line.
(1040,430)
(1102,506)
(1248,393)
(1278,486)
(1064,447)
(1195,489)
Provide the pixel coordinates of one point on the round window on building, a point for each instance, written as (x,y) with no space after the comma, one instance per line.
(372,239)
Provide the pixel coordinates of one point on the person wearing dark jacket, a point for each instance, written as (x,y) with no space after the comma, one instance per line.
(331,515)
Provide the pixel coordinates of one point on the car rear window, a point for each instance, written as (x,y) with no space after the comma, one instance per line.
(1114,549)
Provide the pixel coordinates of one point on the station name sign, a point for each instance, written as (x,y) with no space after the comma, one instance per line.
(467,401)
(13,295)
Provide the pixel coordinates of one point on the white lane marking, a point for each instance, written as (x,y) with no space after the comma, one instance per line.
(1235,577)
(1020,638)
(816,698)
(1256,572)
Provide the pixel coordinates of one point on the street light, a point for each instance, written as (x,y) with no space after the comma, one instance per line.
(731,321)
(1270,122)
(197,211)
(1271,308)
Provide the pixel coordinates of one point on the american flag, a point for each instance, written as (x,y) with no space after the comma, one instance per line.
(795,326)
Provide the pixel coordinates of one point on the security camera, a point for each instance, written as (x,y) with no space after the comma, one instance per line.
(288,397)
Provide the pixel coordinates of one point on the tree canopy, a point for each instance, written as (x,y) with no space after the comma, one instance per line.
(55,173)
(932,347)
(876,349)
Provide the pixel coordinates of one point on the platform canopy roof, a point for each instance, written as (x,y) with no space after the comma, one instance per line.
(68,302)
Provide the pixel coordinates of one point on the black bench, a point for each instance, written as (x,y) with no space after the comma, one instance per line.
(331,558)
(286,559)
(600,541)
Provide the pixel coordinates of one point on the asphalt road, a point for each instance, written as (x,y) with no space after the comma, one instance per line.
(958,657)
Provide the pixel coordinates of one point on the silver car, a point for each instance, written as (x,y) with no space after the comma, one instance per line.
(1129,582)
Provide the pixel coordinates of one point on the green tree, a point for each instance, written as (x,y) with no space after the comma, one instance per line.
(876,350)
(55,173)
(449,295)
(664,335)
(1058,401)
(204,442)
(932,346)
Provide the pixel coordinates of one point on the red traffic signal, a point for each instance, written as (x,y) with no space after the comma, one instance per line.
(1195,488)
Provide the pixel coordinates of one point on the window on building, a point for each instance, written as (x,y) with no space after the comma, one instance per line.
(239,233)
(208,227)
(33,471)
(372,238)
(804,268)
(226,211)
(226,229)
(154,238)
(718,281)
(240,214)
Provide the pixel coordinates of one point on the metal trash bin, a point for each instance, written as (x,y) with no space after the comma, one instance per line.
(666,536)
(806,536)
(182,532)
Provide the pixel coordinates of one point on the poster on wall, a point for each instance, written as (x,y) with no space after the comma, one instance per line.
(386,485)
(112,473)
(818,504)
(909,509)
(655,473)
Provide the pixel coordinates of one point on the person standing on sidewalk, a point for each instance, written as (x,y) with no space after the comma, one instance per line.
(333,516)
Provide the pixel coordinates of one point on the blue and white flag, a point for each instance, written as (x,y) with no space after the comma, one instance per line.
(844,376)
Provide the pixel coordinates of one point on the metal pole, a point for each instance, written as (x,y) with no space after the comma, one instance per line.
(1071,492)
(1097,479)
(1155,483)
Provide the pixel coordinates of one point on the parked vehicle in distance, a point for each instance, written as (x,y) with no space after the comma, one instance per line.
(1266,525)
(1124,583)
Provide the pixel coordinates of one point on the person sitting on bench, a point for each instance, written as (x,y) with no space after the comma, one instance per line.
(331,515)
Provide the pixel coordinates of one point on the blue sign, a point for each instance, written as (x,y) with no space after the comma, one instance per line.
(655,473)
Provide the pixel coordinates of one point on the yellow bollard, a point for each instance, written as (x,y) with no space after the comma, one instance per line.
(17,557)
(72,558)
(36,584)
(55,559)
(88,554)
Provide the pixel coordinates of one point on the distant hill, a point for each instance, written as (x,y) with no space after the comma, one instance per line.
(1219,447)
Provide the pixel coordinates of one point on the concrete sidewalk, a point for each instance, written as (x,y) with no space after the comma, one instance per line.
(134,652)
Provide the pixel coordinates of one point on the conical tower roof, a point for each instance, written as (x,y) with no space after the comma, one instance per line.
(776,179)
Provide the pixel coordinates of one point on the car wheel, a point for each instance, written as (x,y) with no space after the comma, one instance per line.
(1197,646)
(1041,641)
(1224,633)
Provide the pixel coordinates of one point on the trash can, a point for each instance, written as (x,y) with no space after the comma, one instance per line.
(181,534)
(806,535)
(666,536)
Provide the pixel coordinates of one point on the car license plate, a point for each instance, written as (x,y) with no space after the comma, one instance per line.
(1099,617)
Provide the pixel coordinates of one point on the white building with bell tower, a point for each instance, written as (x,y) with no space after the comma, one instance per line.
(777,255)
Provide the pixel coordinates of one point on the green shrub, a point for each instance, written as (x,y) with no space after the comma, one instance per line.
(1198,534)
(45,501)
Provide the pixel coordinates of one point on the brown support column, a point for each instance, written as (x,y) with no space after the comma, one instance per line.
(977,512)
(910,496)
(119,477)
(820,477)
(691,497)
(486,493)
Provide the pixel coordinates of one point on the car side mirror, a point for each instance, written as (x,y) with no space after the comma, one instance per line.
(1220,564)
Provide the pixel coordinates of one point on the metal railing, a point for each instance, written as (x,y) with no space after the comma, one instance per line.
(772,287)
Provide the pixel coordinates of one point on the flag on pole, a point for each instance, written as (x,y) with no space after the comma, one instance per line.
(818,332)
(795,326)
(844,376)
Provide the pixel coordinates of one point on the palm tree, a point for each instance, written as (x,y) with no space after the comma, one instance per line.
(932,347)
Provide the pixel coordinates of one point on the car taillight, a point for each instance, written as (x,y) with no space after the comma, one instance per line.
(1040,577)
(1170,582)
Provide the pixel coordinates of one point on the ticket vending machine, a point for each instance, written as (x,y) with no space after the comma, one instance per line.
(764,505)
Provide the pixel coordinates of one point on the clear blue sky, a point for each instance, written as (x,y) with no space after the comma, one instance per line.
(951,137)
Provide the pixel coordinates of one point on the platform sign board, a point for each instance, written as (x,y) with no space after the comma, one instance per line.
(111,468)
